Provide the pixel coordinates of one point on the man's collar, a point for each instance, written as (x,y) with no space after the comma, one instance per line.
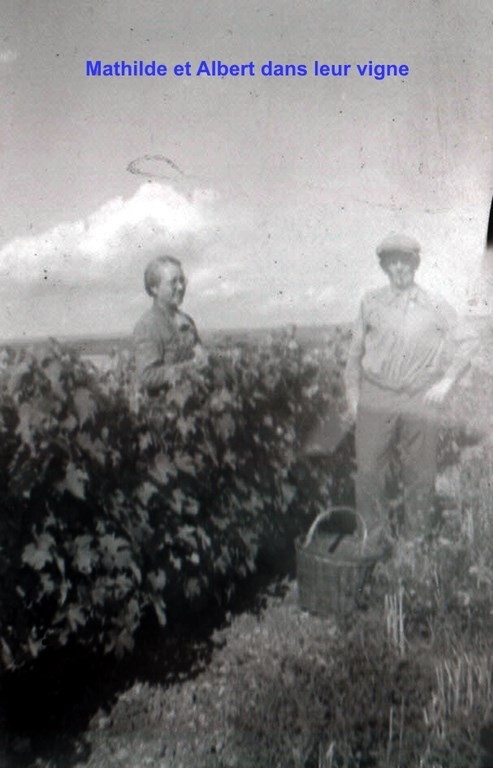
(413,293)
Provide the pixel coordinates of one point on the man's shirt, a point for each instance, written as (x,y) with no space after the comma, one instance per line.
(161,340)
(403,340)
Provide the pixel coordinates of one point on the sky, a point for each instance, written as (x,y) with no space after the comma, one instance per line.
(273,191)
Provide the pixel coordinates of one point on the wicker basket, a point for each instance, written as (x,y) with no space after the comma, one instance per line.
(331,577)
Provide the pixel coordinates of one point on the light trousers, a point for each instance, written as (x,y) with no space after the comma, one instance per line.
(396,429)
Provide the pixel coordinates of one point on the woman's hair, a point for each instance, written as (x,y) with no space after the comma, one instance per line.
(152,274)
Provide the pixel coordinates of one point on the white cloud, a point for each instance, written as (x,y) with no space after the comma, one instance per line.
(114,241)
(7,55)
(212,282)
(86,276)
(246,266)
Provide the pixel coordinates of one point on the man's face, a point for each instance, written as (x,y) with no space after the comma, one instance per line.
(171,290)
(400,270)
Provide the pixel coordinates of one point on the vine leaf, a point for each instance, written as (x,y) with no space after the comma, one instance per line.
(112,544)
(75,617)
(162,469)
(157,579)
(159,608)
(84,405)
(84,555)
(38,554)
(124,642)
(29,419)
(7,655)
(95,448)
(226,426)
(192,588)
(186,426)
(185,464)
(74,481)
(53,372)
(145,492)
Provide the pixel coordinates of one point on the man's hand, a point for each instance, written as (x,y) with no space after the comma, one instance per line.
(200,356)
(437,394)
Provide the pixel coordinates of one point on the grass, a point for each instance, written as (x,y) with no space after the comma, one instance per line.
(288,689)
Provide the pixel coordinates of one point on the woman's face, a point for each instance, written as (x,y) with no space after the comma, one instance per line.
(171,290)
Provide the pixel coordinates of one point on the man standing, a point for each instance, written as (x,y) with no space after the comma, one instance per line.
(165,338)
(402,364)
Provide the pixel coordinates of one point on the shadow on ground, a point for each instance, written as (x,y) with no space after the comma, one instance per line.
(45,710)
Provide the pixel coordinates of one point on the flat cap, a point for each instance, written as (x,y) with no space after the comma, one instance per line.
(399,244)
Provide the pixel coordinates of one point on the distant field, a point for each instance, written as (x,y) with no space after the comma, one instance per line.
(309,336)
(99,349)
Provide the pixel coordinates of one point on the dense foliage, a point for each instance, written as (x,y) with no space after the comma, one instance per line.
(114,508)
(113,505)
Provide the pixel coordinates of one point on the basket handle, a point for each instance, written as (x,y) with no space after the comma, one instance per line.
(362,530)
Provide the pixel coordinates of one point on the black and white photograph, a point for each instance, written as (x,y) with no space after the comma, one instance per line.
(246,377)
